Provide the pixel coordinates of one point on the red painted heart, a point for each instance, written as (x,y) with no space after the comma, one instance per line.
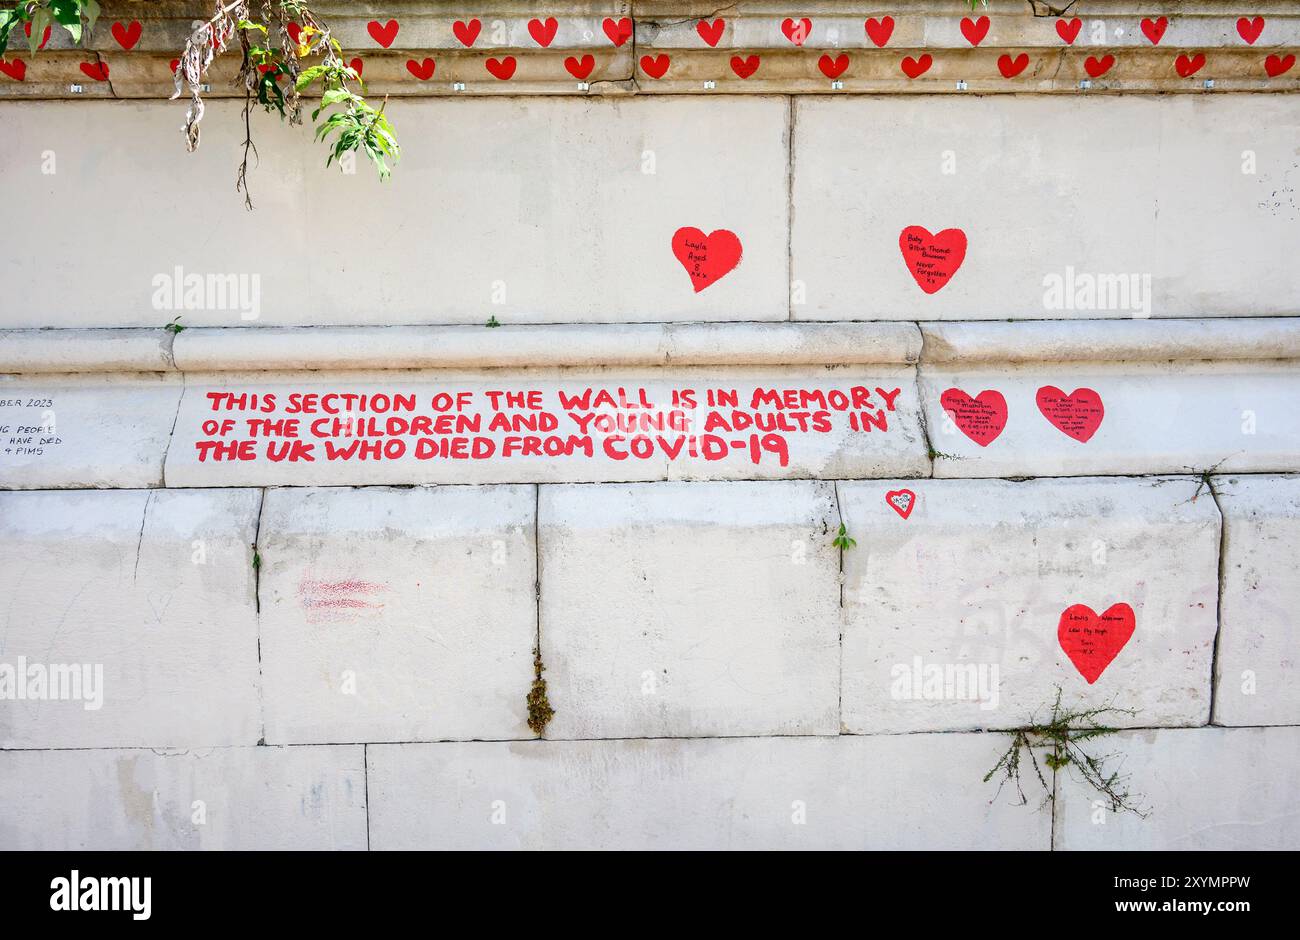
(421,70)
(543,33)
(744,67)
(502,68)
(706,258)
(96,70)
(913,68)
(901,501)
(27,28)
(618,31)
(356,66)
(467,32)
(796,30)
(174,64)
(1092,642)
(1010,67)
(1278,65)
(932,260)
(127,36)
(17,69)
(1187,66)
(981,418)
(880,30)
(1155,29)
(1249,29)
(580,68)
(1077,415)
(711,32)
(1068,30)
(656,66)
(833,68)
(1098,67)
(975,30)
(385,34)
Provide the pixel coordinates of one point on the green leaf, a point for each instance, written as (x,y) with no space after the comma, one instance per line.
(68,15)
(309,76)
(40,19)
(91,9)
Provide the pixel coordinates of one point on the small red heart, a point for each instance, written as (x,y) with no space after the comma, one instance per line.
(932,259)
(1186,66)
(655,66)
(914,67)
(27,28)
(1249,30)
(796,30)
(618,31)
(706,258)
(1068,30)
(421,70)
(1155,29)
(1277,65)
(356,65)
(981,418)
(901,501)
(833,68)
(467,32)
(1077,415)
(880,30)
(17,69)
(543,33)
(744,67)
(1093,642)
(711,32)
(580,68)
(96,70)
(975,30)
(502,69)
(1010,67)
(384,35)
(127,36)
(175,63)
(294,31)
(1098,67)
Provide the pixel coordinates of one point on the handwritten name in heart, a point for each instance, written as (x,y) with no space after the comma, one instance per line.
(706,258)
(1077,415)
(1092,640)
(901,501)
(932,260)
(981,418)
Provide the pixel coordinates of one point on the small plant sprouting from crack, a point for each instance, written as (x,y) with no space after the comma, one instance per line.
(1062,736)
(540,711)
(843,541)
(936,454)
(492,321)
(175,326)
(257,559)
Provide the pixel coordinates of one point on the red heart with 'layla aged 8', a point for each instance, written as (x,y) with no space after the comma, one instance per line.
(981,418)
(706,258)
(932,259)
(1077,415)
(1092,642)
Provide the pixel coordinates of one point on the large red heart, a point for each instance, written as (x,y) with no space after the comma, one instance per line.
(467,32)
(901,501)
(1093,642)
(421,70)
(1068,30)
(981,418)
(656,66)
(744,67)
(503,68)
(711,32)
(1278,65)
(1249,30)
(384,35)
(914,67)
(1155,29)
(618,31)
(932,259)
(17,69)
(796,30)
(580,68)
(706,258)
(1077,415)
(1096,68)
(96,70)
(1187,66)
(833,68)
(543,33)
(975,30)
(127,36)
(1010,67)
(881,30)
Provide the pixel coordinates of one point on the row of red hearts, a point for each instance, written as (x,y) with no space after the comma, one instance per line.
(982,418)
(796,31)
